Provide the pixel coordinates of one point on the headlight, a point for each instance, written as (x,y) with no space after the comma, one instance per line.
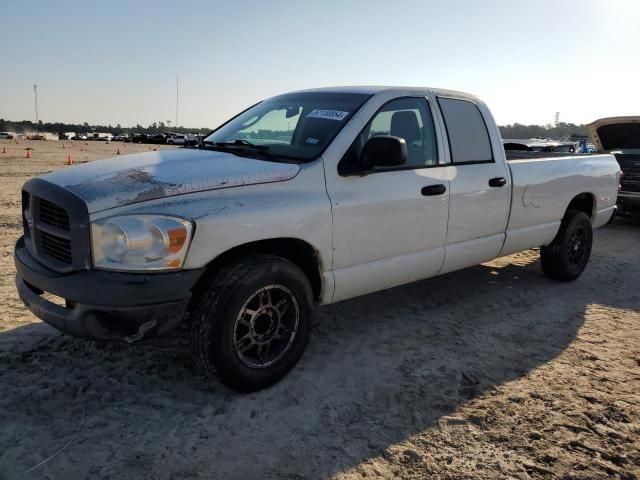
(140,242)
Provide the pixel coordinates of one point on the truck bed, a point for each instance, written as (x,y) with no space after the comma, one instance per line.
(543,184)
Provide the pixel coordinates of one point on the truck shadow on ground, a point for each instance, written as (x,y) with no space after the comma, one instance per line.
(379,369)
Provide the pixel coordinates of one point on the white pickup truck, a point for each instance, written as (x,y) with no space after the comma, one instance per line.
(303,199)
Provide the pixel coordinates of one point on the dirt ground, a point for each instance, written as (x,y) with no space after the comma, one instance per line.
(492,372)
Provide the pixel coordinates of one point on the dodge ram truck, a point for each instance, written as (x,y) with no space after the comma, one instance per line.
(303,199)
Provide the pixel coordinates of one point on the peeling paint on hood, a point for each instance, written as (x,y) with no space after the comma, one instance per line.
(120,181)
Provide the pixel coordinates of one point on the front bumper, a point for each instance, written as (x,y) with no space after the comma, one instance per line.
(105,305)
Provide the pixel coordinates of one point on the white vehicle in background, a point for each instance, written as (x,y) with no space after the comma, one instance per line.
(304,199)
(182,139)
(7,135)
(176,138)
(97,136)
(540,145)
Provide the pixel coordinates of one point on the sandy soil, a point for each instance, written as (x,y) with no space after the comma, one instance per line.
(492,372)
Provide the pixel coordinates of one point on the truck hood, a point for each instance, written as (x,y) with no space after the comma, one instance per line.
(615,133)
(119,181)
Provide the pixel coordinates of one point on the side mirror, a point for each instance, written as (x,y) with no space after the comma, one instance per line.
(383,151)
(292,112)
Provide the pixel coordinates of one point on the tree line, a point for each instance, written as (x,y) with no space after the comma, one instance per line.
(27,126)
(559,131)
(515,130)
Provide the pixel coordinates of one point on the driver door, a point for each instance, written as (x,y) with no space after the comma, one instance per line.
(389,226)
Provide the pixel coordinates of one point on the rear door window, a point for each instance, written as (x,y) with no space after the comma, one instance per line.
(467,131)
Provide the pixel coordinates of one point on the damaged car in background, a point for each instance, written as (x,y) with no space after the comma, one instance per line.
(620,136)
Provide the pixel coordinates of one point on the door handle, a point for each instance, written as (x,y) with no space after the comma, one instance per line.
(498,182)
(433,190)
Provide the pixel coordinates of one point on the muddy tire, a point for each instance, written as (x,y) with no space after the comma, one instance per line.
(567,256)
(252,323)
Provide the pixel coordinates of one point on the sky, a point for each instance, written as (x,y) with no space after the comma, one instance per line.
(116,62)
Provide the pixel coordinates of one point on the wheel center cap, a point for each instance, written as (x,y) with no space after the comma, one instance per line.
(262,323)
(265,325)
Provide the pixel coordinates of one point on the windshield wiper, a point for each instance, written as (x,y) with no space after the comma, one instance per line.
(240,144)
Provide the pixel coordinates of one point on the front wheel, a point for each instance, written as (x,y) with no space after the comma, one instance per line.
(252,324)
(566,257)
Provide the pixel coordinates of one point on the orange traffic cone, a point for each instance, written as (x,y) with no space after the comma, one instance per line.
(4,149)
(28,154)
(63,145)
(69,160)
(81,149)
(118,152)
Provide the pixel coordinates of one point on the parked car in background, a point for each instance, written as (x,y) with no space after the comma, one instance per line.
(6,135)
(621,137)
(192,139)
(79,137)
(176,138)
(306,198)
(540,145)
(120,138)
(158,138)
(187,139)
(139,138)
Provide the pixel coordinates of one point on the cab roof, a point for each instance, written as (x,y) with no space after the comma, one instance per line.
(374,89)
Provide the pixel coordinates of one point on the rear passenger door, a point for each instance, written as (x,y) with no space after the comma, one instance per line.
(479,187)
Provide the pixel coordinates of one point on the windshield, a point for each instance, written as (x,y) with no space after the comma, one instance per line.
(296,125)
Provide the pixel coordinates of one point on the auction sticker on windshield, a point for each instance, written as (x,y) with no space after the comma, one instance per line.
(328,114)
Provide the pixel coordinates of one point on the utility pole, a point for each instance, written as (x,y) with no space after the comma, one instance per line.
(35,94)
(176,124)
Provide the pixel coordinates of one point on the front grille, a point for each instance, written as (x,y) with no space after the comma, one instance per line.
(630,166)
(48,230)
(56,247)
(53,215)
(56,232)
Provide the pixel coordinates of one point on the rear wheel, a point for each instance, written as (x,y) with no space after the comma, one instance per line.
(567,256)
(252,324)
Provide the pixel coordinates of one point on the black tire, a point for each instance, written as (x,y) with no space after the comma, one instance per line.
(231,346)
(567,256)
